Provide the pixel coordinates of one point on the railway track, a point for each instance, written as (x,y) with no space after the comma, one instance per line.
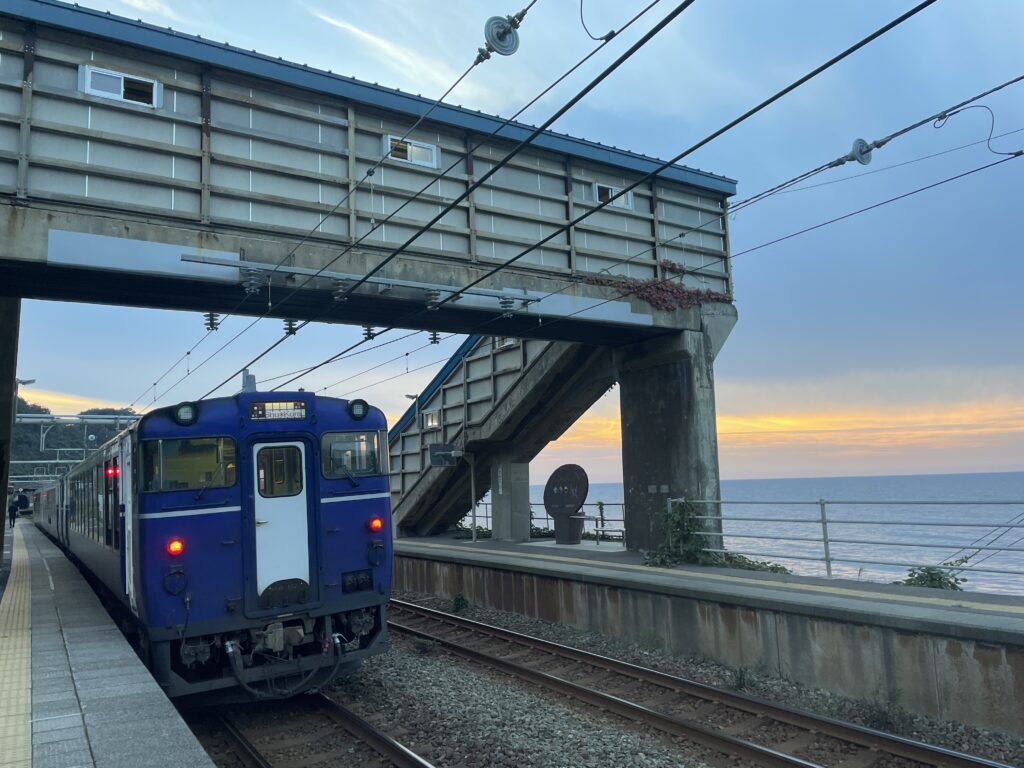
(309,730)
(734,724)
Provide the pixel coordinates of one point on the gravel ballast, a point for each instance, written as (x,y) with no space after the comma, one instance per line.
(454,713)
(881,715)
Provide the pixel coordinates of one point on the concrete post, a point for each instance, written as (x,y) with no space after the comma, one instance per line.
(510,498)
(10,319)
(669,437)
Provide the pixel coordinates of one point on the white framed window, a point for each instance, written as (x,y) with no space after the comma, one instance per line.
(108,84)
(504,342)
(605,192)
(409,151)
(431,419)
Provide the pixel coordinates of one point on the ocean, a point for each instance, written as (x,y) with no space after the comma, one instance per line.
(875,541)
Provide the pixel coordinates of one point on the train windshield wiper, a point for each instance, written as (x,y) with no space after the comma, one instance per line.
(208,483)
(347,473)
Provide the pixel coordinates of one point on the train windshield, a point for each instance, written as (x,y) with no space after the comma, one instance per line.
(188,464)
(344,454)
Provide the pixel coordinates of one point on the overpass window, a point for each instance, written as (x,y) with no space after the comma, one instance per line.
(604,192)
(431,419)
(120,86)
(408,151)
(504,342)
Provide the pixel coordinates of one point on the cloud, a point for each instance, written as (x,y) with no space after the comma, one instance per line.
(153,8)
(64,403)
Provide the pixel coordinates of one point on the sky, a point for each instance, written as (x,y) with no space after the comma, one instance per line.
(886,343)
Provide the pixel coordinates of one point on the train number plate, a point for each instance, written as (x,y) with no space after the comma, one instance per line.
(276,411)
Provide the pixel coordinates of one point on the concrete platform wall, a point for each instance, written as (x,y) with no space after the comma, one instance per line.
(962,680)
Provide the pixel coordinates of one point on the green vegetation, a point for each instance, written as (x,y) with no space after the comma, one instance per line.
(459,603)
(935,577)
(684,543)
(466,531)
(25,437)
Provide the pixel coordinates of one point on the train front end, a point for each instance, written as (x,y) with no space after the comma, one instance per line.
(261,541)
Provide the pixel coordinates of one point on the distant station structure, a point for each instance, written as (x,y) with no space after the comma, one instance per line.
(144,167)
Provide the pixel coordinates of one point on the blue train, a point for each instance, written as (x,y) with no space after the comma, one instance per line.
(246,538)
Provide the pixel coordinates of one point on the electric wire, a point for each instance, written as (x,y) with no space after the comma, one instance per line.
(338,357)
(900,165)
(482,56)
(386,362)
(607,35)
(770,100)
(709,138)
(646,38)
(782,189)
(392,378)
(476,184)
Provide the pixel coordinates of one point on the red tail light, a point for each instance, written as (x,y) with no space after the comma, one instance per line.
(375,525)
(175,547)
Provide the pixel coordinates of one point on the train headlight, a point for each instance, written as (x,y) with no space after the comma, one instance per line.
(186,414)
(175,547)
(358,409)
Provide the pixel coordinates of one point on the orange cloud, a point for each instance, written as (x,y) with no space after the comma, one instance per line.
(63,402)
(959,437)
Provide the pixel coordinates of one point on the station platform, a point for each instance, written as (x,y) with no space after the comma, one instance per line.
(968,615)
(950,655)
(73,694)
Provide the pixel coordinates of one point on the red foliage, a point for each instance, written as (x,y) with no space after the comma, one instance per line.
(659,293)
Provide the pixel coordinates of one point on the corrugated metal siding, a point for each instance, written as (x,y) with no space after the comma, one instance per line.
(279,160)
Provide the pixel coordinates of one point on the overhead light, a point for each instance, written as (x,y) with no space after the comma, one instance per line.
(358,409)
(186,414)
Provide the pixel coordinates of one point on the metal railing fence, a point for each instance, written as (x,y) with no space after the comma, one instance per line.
(816,537)
(614,518)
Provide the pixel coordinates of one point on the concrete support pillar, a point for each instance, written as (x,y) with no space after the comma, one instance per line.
(10,318)
(510,498)
(669,437)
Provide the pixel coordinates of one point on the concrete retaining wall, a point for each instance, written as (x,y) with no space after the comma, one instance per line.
(963,680)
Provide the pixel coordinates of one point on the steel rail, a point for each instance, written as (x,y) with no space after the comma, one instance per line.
(849,732)
(243,748)
(383,744)
(670,724)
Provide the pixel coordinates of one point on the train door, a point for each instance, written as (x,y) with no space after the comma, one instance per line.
(281,523)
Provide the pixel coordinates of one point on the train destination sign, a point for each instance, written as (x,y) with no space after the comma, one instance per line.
(276,411)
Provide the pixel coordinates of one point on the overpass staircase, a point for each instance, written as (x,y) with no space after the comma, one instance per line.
(496,397)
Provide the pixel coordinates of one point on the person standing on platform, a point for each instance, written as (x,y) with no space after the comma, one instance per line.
(12,511)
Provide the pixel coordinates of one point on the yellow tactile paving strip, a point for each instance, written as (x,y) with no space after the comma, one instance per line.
(16,661)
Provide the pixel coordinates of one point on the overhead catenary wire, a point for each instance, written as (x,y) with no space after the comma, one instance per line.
(779,94)
(782,188)
(483,55)
(899,165)
(834,220)
(706,140)
(431,183)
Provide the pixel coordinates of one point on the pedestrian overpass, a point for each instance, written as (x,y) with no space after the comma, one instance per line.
(144,167)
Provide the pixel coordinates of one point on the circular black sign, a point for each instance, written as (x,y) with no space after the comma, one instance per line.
(566,490)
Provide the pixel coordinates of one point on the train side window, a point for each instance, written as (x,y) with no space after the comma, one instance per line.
(188,464)
(279,471)
(345,454)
